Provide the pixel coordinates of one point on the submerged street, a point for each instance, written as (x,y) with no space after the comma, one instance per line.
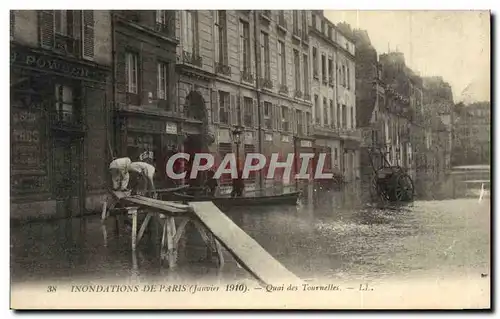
(333,239)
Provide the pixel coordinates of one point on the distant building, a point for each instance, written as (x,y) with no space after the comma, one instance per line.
(404,97)
(438,98)
(472,134)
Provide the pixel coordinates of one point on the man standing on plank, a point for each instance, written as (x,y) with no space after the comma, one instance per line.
(119,169)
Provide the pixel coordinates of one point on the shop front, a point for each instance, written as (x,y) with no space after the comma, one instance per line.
(152,140)
(54,100)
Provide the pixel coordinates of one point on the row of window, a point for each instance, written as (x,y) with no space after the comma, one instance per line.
(132,70)
(327,69)
(190,44)
(333,117)
(244,112)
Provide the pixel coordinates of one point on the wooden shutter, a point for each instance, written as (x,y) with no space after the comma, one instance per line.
(262,120)
(46,28)
(274,116)
(88,34)
(280,118)
(233,114)
(241,108)
(216,36)
(215,106)
(293,120)
(255,114)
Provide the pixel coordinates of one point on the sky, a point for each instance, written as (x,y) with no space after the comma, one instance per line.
(451,44)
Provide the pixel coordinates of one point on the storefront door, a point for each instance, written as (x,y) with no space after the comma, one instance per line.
(68,182)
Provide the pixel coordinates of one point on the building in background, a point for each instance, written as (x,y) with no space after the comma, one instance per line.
(404,97)
(60,63)
(334,103)
(372,116)
(471,134)
(438,98)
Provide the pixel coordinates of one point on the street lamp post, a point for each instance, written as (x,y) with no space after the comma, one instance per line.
(237,141)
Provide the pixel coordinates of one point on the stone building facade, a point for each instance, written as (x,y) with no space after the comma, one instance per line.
(60,63)
(253,70)
(404,95)
(333,95)
(472,134)
(146,117)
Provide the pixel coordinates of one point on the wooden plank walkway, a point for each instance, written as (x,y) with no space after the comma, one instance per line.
(249,254)
(245,249)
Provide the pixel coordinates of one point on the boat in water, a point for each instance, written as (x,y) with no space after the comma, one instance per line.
(220,201)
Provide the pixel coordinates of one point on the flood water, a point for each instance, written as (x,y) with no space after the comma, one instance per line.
(328,237)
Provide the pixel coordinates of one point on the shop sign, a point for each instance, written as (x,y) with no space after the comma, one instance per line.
(223,136)
(171,128)
(285,138)
(305,144)
(26,148)
(43,62)
(248,138)
(145,125)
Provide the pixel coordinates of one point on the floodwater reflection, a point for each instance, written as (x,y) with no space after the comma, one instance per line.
(330,236)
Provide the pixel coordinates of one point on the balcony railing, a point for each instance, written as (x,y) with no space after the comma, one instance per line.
(267,83)
(307,96)
(298,94)
(283,89)
(222,68)
(247,76)
(191,58)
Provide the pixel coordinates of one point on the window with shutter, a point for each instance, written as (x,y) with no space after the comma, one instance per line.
(47,28)
(234,113)
(88,34)
(215,107)
(131,68)
(162,80)
(255,114)
(248,112)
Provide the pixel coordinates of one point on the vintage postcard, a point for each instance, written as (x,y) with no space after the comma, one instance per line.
(250,159)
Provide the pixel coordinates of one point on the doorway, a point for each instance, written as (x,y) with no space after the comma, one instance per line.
(68,179)
(192,145)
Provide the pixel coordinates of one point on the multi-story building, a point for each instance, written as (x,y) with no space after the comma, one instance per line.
(250,69)
(472,134)
(60,67)
(438,96)
(372,116)
(404,96)
(333,92)
(147,119)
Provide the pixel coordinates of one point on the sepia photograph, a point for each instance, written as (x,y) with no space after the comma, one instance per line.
(250,159)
